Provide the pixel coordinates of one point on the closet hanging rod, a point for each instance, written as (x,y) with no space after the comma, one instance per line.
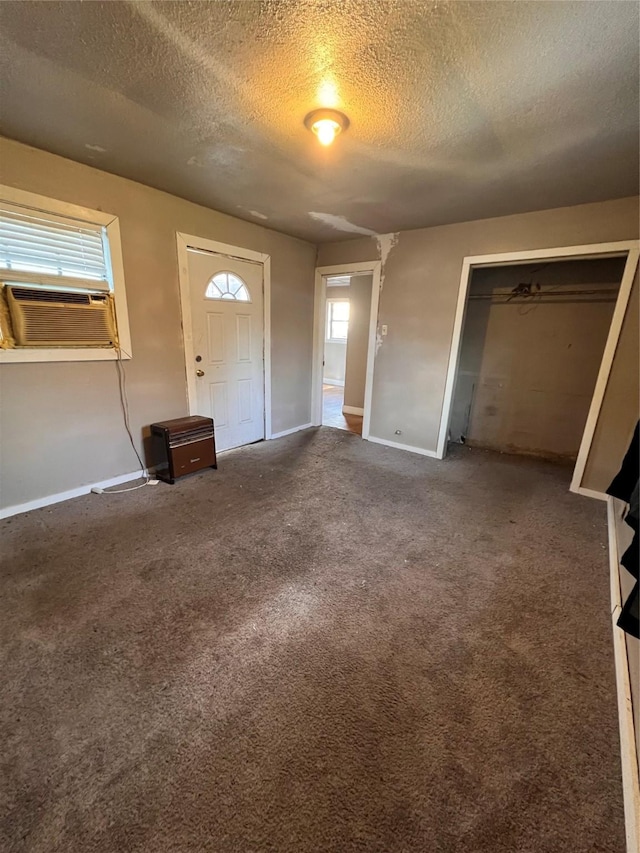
(541,294)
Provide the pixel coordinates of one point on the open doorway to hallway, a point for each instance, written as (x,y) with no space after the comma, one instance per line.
(348,307)
(355,327)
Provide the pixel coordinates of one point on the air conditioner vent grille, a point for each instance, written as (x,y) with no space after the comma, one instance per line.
(55,318)
(28,294)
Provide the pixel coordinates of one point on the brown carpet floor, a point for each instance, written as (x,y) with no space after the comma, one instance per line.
(325,645)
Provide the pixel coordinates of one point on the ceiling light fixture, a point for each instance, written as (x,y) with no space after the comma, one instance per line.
(326,124)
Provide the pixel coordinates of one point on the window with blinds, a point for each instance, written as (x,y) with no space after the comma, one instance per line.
(59,297)
(48,249)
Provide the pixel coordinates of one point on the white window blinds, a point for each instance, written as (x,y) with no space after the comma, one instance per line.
(42,247)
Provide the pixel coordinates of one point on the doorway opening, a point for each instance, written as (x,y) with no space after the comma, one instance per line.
(534,338)
(344,346)
(348,307)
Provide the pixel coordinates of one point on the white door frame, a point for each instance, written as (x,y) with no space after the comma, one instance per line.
(630,248)
(188,241)
(372,268)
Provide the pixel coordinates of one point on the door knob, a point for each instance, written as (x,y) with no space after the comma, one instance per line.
(199,372)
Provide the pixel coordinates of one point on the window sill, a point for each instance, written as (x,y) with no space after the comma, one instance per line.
(22,356)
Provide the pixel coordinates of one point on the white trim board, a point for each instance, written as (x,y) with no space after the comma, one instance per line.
(398,446)
(113,257)
(590,493)
(605,367)
(188,241)
(352,410)
(291,431)
(339,383)
(38,503)
(372,268)
(630,248)
(626,723)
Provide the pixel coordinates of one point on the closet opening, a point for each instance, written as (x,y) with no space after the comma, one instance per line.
(531,349)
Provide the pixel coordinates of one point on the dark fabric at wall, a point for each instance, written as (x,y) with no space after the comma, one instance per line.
(629,619)
(625,487)
(630,557)
(626,479)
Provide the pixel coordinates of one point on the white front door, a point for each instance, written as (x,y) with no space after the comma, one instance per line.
(228,329)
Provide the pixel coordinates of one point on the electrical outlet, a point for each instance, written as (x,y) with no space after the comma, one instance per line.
(384,329)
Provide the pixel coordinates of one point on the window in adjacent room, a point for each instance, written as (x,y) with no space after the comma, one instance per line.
(62,292)
(337,320)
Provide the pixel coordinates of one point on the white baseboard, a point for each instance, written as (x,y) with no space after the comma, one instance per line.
(38,503)
(352,410)
(398,446)
(338,382)
(626,723)
(290,431)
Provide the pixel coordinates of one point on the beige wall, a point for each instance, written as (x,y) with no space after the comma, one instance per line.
(528,369)
(335,361)
(620,406)
(61,424)
(421,277)
(357,344)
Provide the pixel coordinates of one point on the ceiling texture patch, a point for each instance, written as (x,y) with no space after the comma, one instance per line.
(457,110)
(386,243)
(340,223)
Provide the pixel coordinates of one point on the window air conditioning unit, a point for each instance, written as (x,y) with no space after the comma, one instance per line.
(60,318)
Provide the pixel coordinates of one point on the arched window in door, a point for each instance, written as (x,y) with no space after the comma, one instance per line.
(227,285)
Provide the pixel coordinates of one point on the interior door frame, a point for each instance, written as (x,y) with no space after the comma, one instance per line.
(372,268)
(188,241)
(628,248)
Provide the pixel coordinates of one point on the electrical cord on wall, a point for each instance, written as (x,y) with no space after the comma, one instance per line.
(124,404)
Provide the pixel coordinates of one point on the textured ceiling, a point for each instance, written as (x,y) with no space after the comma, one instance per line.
(458,110)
